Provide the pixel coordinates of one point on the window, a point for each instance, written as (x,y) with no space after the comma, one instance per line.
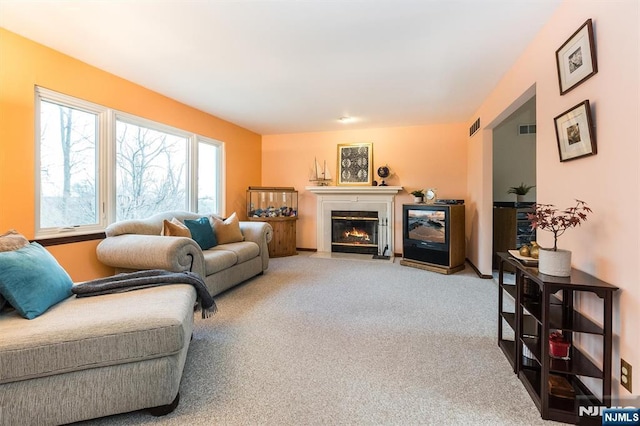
(151,171)
(209,174)
(97,166)
(68,185)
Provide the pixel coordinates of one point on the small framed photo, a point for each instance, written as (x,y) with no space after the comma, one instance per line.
(574,133)
(355,164)
(576,58)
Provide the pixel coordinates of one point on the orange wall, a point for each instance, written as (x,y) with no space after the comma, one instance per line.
(24,64)
(608,244)
(419,157)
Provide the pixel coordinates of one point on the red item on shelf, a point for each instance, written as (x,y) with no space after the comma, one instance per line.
(558,347)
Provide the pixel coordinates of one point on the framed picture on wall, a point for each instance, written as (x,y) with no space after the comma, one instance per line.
(574,133)
(355,164)
(576,58)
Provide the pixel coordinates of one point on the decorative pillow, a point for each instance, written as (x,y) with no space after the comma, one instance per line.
(32,280)
(175,228)
(9,241)
(228,230)
(12,240)
(202,232)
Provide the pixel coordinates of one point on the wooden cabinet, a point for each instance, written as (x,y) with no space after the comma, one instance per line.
(277,206)
(537,305)
(434,237)
(283,242)
(511,228)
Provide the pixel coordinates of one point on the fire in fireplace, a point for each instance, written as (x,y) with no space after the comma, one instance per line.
(354,231)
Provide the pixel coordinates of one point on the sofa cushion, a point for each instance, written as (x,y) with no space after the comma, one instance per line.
(244,251)
(174,228)
(12,240)
(228,230)
(216,260)
(32,280)
(202,232)
(91,332)
(9,241)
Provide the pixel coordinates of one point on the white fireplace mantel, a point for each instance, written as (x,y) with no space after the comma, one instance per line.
(372,198)
(362,190)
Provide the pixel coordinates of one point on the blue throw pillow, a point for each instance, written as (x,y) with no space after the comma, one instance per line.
(32,280)
(202,232)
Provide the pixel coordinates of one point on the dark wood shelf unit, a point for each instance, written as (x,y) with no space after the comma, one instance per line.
(543,304)
(509,349)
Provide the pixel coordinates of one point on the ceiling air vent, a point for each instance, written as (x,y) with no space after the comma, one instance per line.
(474,127)
(527,129)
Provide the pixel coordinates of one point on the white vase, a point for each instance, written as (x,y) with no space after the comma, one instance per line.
(519,198)
(417,200)
(556,263)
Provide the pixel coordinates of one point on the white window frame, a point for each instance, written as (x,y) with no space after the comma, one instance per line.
(106,162)
(153,125)
(103,129)
(220,176)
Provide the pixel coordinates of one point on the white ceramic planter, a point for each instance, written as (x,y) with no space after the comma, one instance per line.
(417,200)
(556,263)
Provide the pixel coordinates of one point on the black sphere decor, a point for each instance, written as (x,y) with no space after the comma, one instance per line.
(383,172)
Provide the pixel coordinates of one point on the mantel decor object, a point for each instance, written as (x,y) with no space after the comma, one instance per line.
(384,172)
(355,164)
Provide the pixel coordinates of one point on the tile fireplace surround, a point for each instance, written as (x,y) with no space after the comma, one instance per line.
(353,198)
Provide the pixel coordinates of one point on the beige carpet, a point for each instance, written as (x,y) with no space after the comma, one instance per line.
(333,342)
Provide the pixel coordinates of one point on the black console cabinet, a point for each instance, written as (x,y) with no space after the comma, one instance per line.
(543,304)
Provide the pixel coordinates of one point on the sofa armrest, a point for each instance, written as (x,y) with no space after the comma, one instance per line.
(261,234)
(137,252)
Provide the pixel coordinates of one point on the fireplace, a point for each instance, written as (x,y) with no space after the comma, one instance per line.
(354,231)
(378,199)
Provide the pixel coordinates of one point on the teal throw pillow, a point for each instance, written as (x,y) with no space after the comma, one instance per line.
(202,232)
(32,280)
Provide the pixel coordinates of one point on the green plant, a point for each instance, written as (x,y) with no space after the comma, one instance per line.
(418,193)
(520,190)
(549,218)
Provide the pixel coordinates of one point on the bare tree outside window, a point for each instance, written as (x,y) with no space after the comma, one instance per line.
(150,171)
(67,166)
(90,176)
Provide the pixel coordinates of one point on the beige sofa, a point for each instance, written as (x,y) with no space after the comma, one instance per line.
(137,245)
(95,356)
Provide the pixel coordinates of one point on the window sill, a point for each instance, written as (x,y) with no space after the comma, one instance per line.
(70,239)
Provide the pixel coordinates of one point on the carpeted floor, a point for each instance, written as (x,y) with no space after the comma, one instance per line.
(328,341)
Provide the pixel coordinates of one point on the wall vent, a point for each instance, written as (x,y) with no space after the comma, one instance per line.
(474,127)
(527,129)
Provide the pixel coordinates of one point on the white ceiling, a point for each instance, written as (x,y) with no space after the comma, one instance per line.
(285,66)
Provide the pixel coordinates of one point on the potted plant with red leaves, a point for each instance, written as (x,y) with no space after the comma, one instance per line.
(548,218)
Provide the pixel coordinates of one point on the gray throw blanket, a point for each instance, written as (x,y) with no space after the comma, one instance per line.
(144,279)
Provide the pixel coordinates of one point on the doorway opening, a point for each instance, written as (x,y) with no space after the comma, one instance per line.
(514,165)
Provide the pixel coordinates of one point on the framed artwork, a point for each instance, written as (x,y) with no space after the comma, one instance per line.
(574,133)
(355,164)
(576,58)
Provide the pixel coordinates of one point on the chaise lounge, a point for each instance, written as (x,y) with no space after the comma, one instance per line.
(95,356)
